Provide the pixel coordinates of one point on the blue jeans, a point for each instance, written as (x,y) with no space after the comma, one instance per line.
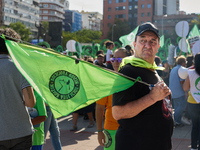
(52,125)
(179,106)
(194,111)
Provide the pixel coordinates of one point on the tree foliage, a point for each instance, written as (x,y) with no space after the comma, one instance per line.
(22,30)
(121,28)
(82,36)
(195,21)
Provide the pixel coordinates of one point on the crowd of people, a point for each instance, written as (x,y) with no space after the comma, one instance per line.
(140,117)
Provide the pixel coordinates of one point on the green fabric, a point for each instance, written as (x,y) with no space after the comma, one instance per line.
(194,32)
(112,134)
(162,41)
(38,136)
(138,62)
(64,85)
(128,39)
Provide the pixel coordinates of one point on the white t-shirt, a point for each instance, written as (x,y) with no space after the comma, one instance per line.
(194,84)
(109,52)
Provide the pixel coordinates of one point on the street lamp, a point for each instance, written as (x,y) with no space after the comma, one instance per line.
(162,22)
(70,27)
(112,30)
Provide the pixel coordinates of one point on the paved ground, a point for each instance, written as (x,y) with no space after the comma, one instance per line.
(86,138)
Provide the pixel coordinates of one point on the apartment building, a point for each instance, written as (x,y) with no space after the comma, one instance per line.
(91,20)
(53,10)
(24,11)
(135,11)
(72,21)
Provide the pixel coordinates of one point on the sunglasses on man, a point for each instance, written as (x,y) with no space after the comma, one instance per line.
(119,60)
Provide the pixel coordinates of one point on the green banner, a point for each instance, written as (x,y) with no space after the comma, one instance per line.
(64,83)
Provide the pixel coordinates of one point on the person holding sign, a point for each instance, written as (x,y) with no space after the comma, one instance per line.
(144,114)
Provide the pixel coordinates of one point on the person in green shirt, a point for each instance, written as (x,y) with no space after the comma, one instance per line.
(38,136)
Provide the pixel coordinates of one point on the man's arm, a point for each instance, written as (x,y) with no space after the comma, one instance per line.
(29,97)
(38,119)
(133,108)
(99,120)
(186,84)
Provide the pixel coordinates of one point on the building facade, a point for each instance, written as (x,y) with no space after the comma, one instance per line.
(136,11)
(91,20)
(167,24)
(52,10)
(24,11)
(72,21)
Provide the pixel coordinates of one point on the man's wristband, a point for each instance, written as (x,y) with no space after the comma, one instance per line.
(100,130)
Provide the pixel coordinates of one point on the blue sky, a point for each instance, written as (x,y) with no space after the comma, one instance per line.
(190,6)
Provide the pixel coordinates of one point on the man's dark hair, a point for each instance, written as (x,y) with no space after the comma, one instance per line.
(189,61)
(197,63)
(129,50)
(157,60)
(99,52)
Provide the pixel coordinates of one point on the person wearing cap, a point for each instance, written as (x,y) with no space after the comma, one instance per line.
(100,60)
(144,114)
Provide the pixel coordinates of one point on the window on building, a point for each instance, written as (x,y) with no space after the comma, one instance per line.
(130,0)
(130,15)
(130,7)
(148,5)
(45,11)
(52,12)
(109,1)
(120,8)
(136,6)
(142,14)
(45,18)
(136,0)
(120,1)
(142,6)
(148,14)
(109,16)
(45,5)
(109,9)
(135,14)
(120,16)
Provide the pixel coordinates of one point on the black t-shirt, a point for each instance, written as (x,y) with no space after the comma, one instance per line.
(150,129)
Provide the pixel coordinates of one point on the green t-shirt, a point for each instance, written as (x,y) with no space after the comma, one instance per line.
(38,136)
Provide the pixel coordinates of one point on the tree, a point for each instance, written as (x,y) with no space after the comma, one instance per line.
(82,36)
(22,30)
(121,28)
(195,21)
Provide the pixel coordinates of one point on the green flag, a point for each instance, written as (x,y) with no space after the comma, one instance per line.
(194,32)
(128,39)
(64,83)
(162,41)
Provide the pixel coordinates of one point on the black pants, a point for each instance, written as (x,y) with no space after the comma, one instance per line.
(23,143)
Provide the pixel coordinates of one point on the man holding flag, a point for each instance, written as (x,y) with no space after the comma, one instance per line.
(143,113)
